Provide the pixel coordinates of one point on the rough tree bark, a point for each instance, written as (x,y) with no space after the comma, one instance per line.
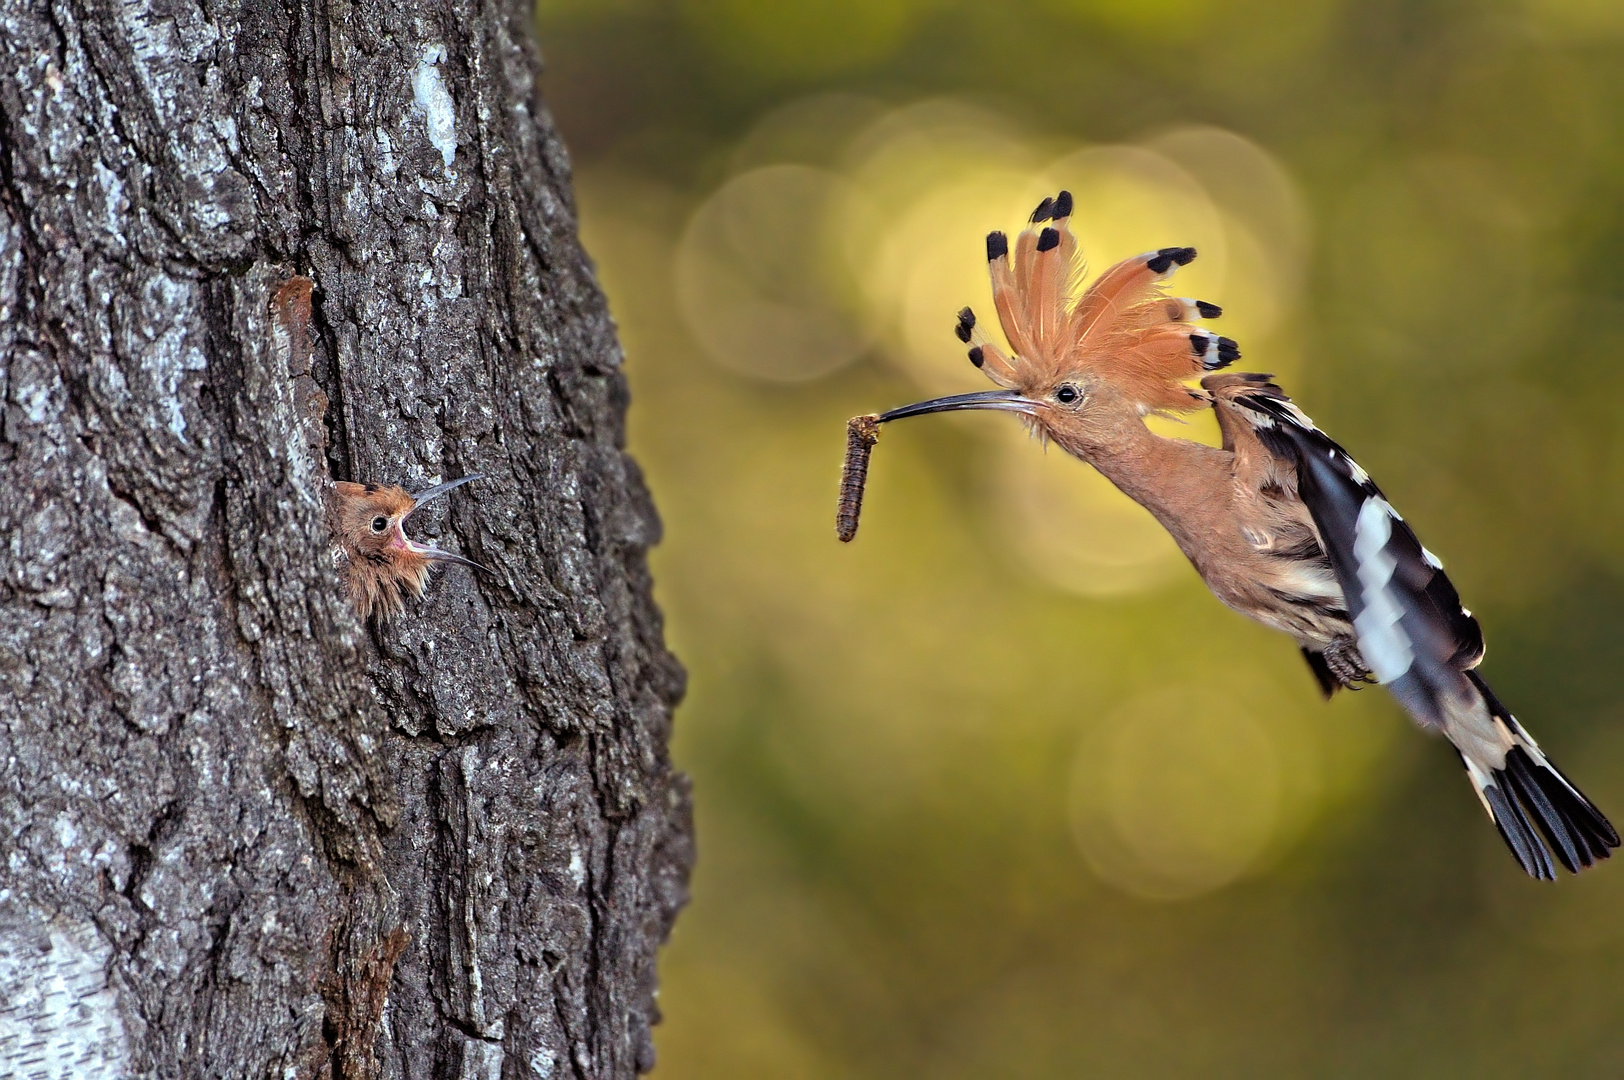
(246,247)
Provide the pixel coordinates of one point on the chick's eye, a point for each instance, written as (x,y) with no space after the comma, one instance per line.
(1068,394)
(380,523)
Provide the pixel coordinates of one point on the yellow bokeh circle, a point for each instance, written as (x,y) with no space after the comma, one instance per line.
(762,280)
(1178,793)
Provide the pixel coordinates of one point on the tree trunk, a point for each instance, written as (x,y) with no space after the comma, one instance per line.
(246,247)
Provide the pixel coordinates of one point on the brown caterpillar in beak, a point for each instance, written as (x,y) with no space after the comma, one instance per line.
(862,432)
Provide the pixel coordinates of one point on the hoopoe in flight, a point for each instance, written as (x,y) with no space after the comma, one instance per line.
(377,560)
(1281,524)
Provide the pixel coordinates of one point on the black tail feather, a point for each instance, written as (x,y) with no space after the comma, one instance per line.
(1528,786)
(1557,828)
(1518,834)
(1575,828)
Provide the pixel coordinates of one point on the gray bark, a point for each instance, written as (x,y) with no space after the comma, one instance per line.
(246,247)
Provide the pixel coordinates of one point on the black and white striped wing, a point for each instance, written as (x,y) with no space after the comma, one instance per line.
(1412,630)
(1422,645)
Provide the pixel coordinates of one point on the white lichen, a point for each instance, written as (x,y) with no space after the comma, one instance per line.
(116,203)
(169,355)
(434,102)
(577,868)
(481,1060)
(36,402)
(59,1018)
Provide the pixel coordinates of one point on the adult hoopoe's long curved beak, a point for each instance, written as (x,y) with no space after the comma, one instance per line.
(862,432)
(1000,400)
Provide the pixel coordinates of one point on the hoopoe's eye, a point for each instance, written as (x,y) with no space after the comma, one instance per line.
(380,523)
(1068,394)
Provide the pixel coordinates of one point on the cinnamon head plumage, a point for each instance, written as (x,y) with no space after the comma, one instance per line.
(379,563)
(1280,522)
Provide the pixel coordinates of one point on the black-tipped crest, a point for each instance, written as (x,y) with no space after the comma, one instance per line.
(1215,352)
(967,323)
(1044,211)
(1165,259)
(977,357)
(1062,207)
(997,246)
(1048,239)
(1208,310)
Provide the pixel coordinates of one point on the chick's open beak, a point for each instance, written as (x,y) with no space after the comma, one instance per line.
(440,489)
(429,551)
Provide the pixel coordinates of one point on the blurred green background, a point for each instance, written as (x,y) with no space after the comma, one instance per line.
(999,790)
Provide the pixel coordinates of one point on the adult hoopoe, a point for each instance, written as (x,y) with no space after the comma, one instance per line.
(375,557)
(1280,522)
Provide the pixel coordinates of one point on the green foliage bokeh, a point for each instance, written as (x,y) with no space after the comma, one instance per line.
(999,789)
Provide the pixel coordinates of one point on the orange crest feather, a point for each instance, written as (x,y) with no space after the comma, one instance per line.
(1123,330)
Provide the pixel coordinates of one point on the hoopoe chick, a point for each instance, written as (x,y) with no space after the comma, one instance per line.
(1281,524)
(377,560)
